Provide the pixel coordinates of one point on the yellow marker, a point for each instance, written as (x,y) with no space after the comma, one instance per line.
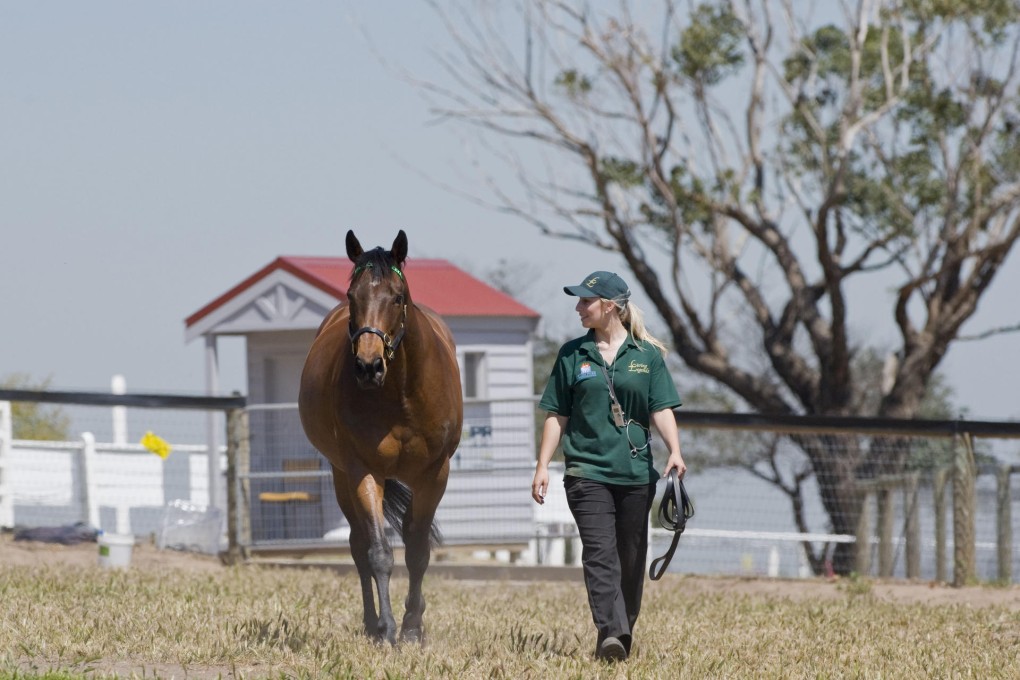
(156,444)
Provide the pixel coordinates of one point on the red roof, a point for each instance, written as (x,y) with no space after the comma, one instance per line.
(434,283)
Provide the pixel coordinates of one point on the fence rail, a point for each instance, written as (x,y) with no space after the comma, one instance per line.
(877,509)
(948,517)
(788,424)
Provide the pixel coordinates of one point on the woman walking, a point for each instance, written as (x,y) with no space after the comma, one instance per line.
(607,388)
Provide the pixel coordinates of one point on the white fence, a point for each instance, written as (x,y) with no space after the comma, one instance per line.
(117,488)
(743,525)
(6,442)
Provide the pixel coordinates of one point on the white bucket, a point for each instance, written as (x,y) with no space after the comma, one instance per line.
(115,550)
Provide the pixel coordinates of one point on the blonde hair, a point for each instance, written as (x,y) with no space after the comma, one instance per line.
(633,320)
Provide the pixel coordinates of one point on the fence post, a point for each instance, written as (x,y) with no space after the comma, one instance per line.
(863,543)
(238,464)
(964,566)
(6,444)
(89,497)
(886,523)
(939,497)
(913,525)
(1005,524)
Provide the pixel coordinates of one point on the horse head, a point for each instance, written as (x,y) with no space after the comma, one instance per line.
(377,298)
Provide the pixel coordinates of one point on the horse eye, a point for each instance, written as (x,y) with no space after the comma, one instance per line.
(399,300)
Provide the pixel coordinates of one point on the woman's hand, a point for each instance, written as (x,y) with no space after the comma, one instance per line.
(552,430)
(676,461)
(540,484)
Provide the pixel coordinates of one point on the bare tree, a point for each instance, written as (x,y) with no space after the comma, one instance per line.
(750,161)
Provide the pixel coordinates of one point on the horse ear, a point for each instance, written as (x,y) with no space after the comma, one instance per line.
(399,250)
(354,249)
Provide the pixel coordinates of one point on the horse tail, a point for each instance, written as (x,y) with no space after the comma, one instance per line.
(396,501)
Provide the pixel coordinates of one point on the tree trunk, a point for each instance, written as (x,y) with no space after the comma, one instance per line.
(834,458)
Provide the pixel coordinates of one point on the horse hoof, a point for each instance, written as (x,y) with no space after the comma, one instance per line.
(414,635)
(382,636)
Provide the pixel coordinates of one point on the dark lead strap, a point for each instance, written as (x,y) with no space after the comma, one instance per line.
(674,511)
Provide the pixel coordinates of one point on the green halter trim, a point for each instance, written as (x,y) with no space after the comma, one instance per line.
(369,265)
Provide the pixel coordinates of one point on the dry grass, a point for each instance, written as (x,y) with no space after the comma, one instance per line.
(61,621)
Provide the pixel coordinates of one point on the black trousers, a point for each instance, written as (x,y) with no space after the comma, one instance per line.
(612,521)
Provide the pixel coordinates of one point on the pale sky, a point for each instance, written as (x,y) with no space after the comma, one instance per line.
(154,154)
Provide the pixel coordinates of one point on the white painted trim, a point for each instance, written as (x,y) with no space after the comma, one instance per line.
(252,296)
(89,496)
(6,443)
(212,388)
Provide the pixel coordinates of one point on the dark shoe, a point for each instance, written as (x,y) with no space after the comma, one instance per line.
(611,649)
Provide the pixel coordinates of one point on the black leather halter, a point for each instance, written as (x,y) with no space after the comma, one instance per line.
(674,511)
(389,343)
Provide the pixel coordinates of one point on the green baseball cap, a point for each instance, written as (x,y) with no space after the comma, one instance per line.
(606,285)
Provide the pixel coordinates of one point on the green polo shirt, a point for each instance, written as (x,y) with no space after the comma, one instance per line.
(593,446)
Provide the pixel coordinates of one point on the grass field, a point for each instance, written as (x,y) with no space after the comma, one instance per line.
(63,620)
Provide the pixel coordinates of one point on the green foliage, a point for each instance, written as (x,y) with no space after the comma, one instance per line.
(691,197)
(710,48)
(990,17)
(825,52)
(873,206)
(904,190)
(1006,154)
(573,83)
(621,171)
(779,165)
(32,420)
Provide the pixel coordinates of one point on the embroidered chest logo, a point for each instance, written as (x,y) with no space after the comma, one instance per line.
(635,367)
(585,371)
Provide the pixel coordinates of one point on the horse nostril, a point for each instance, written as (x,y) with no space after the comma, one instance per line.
(369,370)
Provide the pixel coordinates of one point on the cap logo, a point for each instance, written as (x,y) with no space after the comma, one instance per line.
(591,282)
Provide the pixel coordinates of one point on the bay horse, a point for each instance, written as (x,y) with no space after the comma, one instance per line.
(381,400)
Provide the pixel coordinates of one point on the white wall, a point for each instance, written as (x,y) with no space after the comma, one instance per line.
(129,490)
(275,360)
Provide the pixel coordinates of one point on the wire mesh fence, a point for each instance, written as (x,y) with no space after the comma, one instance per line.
(289,490)
(99,473)
(746,525)
(773,497)
(799,496)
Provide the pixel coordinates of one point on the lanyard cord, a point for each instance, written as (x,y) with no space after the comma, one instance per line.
(634,450)
(609,381)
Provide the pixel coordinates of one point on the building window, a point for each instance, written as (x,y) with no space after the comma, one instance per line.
(474,375)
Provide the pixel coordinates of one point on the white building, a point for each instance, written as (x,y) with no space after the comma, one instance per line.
(277,311)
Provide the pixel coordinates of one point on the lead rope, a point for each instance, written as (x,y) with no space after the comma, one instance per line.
(674,511)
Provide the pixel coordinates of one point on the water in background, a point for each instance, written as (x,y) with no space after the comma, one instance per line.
(734,499)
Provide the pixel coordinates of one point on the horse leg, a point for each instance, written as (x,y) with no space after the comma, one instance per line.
(418,550)
(359,549)
(370,549)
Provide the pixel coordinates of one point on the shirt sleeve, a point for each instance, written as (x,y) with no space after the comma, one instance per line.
(557,397)
(661,390)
